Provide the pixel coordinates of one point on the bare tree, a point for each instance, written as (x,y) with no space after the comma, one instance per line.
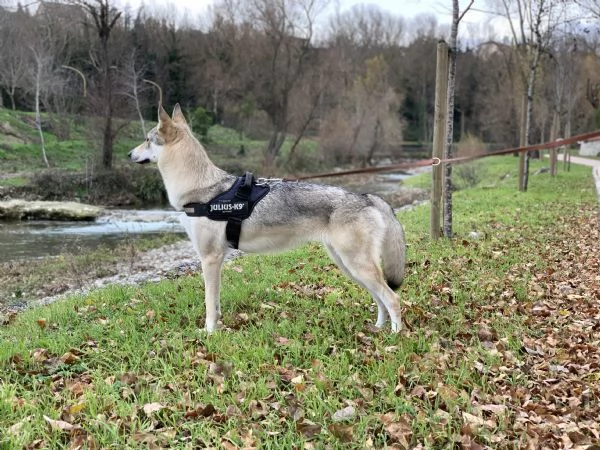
(590,6)
(105,17)
(565,89)
(44,48)
(457,16)
(532,23)
(308,101)
(41,62)
(366,119)
(13,57)
(274,43)
(133,86)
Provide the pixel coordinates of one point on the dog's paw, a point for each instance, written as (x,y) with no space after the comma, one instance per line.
(210,328)
(396,327)
(380,324)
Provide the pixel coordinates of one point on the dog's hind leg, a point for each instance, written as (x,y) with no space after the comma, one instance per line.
(363,266)
(382,314)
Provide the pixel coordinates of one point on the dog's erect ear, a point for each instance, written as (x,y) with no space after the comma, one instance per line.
(178,116)
(163,116)
(166,127)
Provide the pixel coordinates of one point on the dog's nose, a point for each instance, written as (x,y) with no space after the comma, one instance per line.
(130,153)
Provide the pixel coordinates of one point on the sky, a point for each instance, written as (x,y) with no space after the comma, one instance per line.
(475,22)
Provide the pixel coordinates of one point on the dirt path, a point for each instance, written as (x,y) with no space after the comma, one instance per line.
(594,164)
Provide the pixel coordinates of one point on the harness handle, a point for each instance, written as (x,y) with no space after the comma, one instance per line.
(244,190)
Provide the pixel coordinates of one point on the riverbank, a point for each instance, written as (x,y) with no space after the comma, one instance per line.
(17,210)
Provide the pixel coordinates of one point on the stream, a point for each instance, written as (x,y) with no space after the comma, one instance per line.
(37,239)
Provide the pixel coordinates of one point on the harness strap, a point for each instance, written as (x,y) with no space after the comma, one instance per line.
(239,200)
(196,209)
(233,231)
(234,224)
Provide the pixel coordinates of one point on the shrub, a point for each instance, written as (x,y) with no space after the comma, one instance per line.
(128,185)
(202,120)
(469,174)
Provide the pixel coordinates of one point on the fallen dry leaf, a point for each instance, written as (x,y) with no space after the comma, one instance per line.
(308,429)
(69,358)
(347,413)
(16,428)
(150,408)
(61,424)
(399,429)
(344,433)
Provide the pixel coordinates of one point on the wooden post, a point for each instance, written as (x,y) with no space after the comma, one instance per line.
(567,153)
(522,143)
(553,137)
(439,135)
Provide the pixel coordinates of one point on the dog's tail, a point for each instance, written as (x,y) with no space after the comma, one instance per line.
(393,250)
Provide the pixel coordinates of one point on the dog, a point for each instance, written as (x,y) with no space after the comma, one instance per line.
(360,231)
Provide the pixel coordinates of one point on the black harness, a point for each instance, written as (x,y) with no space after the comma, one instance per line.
(233,205)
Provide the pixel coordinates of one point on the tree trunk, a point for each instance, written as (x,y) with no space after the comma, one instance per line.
(447,200)
(530,95)
(357,129)
(522,141)
(107,141)
(554,130)
(38,116)
(136,98)
(373,149)
(274,147)
(11,95)
(567,147)
(309,119)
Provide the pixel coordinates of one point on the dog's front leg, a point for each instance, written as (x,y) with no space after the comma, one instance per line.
(211,268)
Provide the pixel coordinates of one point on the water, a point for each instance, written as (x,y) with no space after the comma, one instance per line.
(36,239)
(373,183)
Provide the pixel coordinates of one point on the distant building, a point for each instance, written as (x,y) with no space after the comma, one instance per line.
(63,13)
(590,147)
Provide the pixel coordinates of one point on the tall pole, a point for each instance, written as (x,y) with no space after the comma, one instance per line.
(522,142)
(439,135)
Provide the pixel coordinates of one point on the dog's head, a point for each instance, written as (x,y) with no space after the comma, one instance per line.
(168,131)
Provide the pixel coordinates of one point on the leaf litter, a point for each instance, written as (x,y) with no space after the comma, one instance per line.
(538,389)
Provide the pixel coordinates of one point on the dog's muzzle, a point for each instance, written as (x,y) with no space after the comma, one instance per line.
(143,161)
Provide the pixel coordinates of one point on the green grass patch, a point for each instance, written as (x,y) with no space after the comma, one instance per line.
(15,181)
(127,367)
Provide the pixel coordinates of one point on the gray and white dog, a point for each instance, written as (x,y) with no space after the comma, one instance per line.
(359,231)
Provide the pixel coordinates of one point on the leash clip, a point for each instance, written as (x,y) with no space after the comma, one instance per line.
(268,181)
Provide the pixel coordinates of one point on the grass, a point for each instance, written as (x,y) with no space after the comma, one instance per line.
(127,367)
